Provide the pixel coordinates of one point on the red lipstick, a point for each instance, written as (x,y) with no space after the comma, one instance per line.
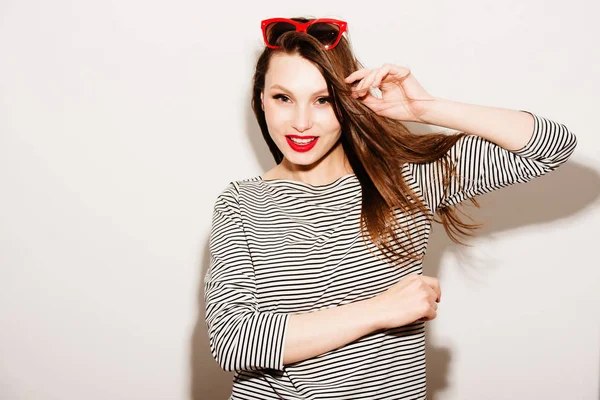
(300,147)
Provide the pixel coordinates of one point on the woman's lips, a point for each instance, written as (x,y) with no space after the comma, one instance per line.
(301,147)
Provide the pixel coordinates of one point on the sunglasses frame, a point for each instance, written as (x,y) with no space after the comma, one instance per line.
(302,27)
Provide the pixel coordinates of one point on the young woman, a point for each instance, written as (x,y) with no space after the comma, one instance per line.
(315,287)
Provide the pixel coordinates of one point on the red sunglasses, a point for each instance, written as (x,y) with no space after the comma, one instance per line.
(327,31)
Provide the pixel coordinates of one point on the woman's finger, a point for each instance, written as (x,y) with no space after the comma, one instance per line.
(398,70)
(376,104)
(356,75)
(365,84)
(434,283)
(398,73)
(373,102)
(381,74)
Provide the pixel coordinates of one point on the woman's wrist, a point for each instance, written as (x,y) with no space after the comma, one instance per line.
(427,110)
(374,314)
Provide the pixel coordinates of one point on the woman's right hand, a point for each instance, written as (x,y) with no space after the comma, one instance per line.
(412,298)
(313,333)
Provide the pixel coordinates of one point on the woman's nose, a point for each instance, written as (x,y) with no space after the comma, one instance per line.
(302,120)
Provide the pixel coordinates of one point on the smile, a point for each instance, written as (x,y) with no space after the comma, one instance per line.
(301,144)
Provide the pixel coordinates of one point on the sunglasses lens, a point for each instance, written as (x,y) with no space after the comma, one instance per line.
(326,33)
(276,29)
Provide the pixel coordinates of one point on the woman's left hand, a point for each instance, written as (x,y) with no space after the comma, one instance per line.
(403,97)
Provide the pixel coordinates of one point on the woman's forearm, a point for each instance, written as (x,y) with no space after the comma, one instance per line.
(313,333)
(510,129)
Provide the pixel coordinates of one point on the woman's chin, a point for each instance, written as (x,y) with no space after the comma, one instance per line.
(305,159)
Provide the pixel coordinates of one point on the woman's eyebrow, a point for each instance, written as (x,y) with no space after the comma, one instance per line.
(322,91)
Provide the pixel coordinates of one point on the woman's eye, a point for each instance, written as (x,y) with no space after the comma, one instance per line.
(281,97)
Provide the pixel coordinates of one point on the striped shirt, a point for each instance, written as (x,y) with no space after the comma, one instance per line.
(280,247)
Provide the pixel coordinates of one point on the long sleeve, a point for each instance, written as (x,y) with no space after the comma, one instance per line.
(483,166)
(241,337)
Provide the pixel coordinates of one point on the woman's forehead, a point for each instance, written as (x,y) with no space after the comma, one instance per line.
(294,73)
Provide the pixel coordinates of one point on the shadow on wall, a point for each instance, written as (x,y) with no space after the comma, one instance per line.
(571,189)
(208,381)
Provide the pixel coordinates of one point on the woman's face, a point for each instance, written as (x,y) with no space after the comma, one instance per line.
(299,115)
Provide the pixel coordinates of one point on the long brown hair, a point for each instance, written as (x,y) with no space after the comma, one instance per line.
(376,147)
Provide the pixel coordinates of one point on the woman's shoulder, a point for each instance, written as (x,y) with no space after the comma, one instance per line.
(234,186)
(228,197)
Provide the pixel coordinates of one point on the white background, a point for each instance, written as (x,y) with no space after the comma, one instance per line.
(121,121)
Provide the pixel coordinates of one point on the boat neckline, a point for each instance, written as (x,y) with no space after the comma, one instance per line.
(300,183)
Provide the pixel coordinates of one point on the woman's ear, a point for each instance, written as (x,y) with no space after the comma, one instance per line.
(261,101)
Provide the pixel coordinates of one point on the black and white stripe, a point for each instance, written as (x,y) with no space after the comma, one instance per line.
(280,247)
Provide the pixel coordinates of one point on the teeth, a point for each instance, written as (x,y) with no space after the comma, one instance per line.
(301,141)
